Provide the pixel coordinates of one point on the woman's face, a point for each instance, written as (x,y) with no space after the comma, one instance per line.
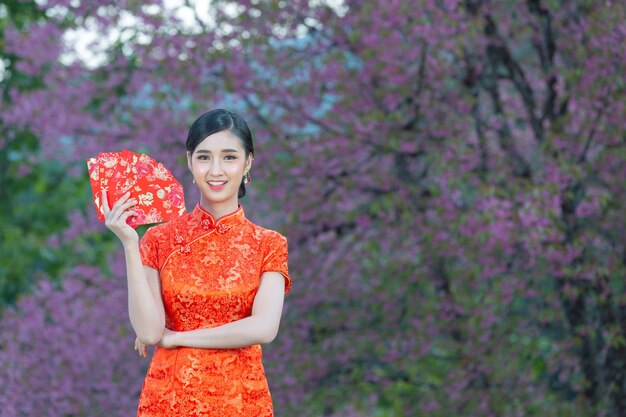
(218,165)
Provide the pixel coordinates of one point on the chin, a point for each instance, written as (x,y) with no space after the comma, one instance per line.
(212,197)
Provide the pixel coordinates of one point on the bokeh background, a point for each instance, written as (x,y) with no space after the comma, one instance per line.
(450,176)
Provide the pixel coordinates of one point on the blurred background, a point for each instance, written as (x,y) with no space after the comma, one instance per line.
(450,176)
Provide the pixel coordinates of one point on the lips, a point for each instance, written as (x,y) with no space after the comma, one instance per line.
(216,185)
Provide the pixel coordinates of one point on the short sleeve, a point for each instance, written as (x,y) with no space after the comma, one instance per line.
(149,249)
(275,258)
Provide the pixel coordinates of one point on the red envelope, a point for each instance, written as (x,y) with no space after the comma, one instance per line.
(141,164)
(94,178)
(107,164)
(159,195)
(124,175)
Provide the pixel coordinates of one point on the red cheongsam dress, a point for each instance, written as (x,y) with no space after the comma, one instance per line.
(210,272)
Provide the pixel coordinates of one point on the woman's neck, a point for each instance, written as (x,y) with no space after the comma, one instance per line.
(219,210)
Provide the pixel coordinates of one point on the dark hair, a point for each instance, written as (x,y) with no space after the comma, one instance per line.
(216,121)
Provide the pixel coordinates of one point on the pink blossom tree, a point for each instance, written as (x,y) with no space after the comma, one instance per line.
(449,175)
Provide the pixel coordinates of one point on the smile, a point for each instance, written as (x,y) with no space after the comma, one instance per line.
(216,185)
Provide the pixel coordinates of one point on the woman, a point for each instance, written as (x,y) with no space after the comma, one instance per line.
(206,288)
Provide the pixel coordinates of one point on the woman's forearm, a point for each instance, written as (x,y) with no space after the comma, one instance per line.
(260,327)
(146,317)
(248,331)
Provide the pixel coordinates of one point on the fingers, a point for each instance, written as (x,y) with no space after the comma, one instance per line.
(123,203)
(130,203)
(124,199)
(120,210)
(105,202)
(140,348)
(127,214)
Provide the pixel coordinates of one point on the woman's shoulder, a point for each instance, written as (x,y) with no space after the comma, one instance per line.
(266,234)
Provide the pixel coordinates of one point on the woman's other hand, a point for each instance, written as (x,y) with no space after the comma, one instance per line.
(141,348)
(115,218)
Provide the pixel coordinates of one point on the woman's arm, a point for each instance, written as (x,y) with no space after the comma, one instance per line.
(260,327)
(145,305)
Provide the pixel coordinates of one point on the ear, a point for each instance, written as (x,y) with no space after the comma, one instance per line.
(248,163)
(189,161)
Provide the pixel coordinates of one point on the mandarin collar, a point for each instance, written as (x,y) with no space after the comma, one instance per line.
(230,219)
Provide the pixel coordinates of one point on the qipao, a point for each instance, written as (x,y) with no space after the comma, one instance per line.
(209,271)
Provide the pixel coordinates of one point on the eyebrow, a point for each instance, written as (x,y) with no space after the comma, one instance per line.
(223,151)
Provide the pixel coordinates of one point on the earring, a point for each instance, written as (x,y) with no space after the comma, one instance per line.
(193,180)
(247,179)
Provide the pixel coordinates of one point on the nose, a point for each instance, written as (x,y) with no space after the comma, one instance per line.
(216,167)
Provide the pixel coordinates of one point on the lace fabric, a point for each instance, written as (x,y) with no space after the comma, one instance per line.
(210,272)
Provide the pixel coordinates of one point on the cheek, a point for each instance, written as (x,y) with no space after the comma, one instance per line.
(199,168)
(236,169)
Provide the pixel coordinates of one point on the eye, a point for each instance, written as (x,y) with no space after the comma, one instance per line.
(230,157)
(203,157)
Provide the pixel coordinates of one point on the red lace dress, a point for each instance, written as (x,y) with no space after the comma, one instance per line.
(210,272)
